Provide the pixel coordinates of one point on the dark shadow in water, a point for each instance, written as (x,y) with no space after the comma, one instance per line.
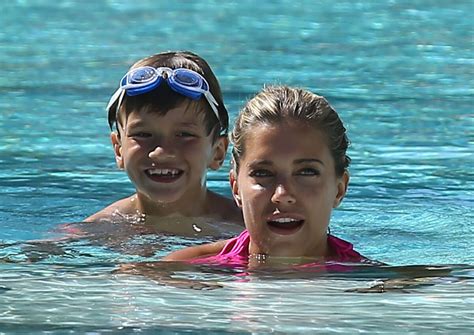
(7,328)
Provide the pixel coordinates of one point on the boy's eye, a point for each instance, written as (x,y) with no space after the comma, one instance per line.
(261,173)
(140,134)
(308,172)
(185,134)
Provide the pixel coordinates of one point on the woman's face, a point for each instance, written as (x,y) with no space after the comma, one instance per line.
(287,188)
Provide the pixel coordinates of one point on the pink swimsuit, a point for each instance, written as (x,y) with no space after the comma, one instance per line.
(236,252)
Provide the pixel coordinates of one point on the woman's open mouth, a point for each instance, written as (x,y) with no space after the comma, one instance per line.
(285,225)
(164,175)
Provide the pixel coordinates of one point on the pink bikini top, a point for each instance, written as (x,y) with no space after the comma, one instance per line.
(236,252)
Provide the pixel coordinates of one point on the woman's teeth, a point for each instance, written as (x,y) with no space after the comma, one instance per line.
(285,220)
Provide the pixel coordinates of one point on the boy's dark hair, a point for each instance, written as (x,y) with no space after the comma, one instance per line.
(163,98)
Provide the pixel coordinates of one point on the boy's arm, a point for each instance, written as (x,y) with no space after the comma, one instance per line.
(208,249)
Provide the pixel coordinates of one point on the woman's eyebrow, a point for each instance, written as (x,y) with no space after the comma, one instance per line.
(308,160)
(260,162)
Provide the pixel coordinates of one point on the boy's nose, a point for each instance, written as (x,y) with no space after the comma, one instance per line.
(283,195)
(161,152)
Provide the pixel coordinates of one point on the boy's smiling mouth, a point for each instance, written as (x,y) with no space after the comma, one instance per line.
(285,224)
(164,175)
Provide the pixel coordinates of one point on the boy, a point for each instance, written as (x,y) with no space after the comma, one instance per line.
(170,127)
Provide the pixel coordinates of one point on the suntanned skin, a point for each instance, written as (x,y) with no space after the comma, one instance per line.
(284,177)
(203,250)
(178,142)
(222,215)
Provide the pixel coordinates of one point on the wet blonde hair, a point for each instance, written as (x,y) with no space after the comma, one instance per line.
(278,104)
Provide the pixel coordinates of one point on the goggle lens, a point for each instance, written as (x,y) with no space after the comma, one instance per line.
(141,75)
(188,79)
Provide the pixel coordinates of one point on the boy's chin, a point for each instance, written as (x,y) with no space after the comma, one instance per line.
(163,198)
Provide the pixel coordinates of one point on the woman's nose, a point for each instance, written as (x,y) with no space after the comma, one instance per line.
(283,195)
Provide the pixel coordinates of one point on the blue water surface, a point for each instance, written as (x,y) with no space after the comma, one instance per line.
(400,74)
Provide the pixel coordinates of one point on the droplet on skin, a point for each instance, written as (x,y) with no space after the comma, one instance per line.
(257,187)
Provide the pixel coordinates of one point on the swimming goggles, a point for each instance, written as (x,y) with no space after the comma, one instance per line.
(146,78)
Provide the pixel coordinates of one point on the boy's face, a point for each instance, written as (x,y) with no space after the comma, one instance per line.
(166,156)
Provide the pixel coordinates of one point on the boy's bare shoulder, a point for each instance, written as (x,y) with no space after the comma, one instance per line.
(225,208)
(122,206)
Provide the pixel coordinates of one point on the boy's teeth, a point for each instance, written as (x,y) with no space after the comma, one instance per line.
(164,172)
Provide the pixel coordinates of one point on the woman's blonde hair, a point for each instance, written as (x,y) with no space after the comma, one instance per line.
(278,104)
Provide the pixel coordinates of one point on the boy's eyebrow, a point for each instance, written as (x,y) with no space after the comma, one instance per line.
(137,123)
(187,124)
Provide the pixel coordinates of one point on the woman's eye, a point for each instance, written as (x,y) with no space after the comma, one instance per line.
(309,172)
(260,173)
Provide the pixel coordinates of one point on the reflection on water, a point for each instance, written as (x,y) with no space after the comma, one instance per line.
(84,284)
(399,73)
(97,296)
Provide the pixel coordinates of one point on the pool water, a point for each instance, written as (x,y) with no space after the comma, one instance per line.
(400,74)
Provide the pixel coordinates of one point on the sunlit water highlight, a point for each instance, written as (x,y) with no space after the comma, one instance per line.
(400,73)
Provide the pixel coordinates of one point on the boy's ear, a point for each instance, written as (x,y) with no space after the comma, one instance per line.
(114,138)
(219,152)
(235,188)
(342,184)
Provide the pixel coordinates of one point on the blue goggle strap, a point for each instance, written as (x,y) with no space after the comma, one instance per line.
(116,96)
